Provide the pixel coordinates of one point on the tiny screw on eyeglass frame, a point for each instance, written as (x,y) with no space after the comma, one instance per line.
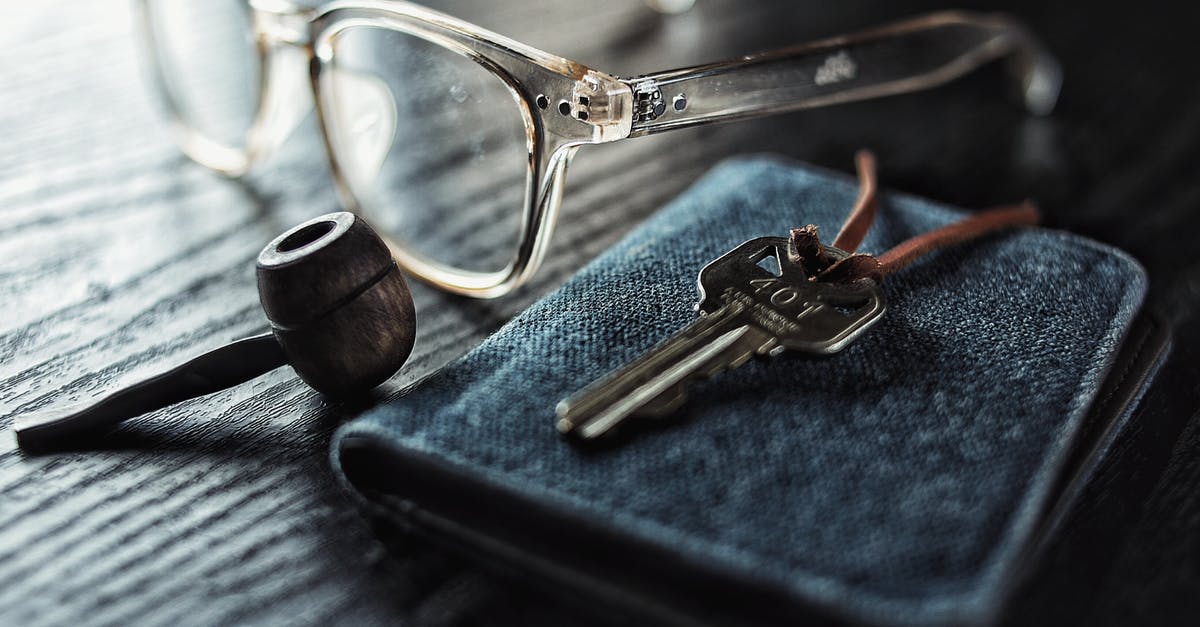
(566,105)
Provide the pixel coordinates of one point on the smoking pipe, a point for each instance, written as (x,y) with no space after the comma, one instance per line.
(340,312)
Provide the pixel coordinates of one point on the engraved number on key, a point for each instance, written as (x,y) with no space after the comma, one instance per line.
(746,310)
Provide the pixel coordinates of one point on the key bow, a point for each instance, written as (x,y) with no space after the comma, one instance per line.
(788,299)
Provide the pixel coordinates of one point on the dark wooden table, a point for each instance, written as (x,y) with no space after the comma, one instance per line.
(118,256)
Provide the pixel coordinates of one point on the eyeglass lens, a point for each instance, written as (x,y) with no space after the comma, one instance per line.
(432,144)
(210,65)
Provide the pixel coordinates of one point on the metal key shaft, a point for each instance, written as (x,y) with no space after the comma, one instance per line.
(689,353)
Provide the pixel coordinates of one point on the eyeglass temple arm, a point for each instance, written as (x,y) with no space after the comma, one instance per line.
(902,57)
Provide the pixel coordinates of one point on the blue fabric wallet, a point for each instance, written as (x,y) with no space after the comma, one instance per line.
(902,481)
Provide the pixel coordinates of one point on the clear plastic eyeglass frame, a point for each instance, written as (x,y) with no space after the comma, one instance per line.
(566,105)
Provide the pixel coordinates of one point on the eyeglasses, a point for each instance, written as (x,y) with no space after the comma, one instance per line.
(454,141)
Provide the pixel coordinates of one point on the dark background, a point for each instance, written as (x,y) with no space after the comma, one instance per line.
(118,257)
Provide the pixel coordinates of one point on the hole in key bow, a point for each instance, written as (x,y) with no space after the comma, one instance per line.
(770,263)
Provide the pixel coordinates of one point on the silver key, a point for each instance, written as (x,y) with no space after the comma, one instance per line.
(753,302)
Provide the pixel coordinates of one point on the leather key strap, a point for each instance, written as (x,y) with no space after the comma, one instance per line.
(805,246)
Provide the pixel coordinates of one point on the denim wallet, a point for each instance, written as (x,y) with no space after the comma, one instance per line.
(905,480)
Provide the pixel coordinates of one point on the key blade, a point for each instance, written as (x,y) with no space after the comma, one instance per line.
(754,342)
(665,403)
(597,408)
(590,420)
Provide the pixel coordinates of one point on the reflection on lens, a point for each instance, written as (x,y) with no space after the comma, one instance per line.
(432,144)
(210,64)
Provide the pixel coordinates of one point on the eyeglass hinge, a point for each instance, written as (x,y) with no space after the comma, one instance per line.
(605,103)
(648,103)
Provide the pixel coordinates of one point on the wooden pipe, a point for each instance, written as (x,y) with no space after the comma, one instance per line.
(341,315)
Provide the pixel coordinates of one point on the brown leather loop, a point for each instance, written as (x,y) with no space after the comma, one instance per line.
(805,246)
(859,221)
(904,253)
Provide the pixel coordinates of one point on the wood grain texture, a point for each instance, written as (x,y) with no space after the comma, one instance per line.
(119,257)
